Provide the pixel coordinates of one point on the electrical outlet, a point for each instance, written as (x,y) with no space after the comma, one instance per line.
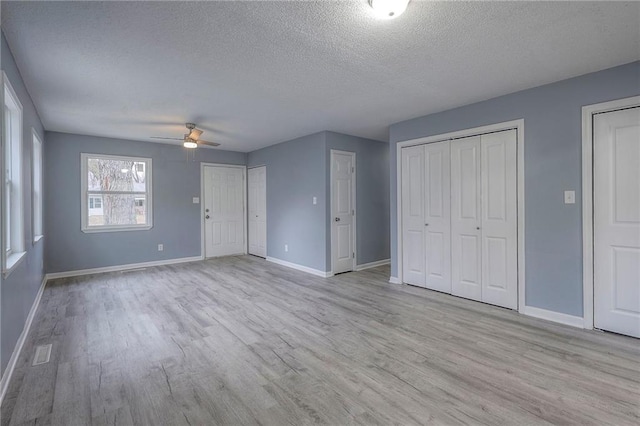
(569,197)
(315,200)
(196,200)
(286,247)
(160,247)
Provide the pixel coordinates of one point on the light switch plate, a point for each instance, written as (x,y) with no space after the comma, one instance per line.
(569,197)
(196,200)
(315,200)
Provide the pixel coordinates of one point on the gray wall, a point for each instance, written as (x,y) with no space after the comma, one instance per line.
(296,173)
(176,220)
(372,195)
(298,170)
(553,137)
(18,291)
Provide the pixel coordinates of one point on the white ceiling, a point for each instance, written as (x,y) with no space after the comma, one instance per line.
(256,73)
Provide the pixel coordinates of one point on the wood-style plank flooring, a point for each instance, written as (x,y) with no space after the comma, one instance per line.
(244,342)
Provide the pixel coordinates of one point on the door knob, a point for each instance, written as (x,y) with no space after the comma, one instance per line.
(207,217)
(206,210)
(426,224)
(337,219)
(477,227)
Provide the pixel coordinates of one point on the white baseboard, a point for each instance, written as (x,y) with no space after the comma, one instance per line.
(394,280)
(8,372)
(116,268)
(558,317)
(300,267)
(372,264)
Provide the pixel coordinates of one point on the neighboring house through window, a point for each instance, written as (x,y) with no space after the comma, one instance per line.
(116,193)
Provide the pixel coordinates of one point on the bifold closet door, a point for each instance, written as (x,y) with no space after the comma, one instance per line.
(499,225)
(437,216)
(466,272)
(484,218)
(413,233)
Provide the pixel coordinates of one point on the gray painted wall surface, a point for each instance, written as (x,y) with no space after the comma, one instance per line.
(19,290)
(176,220)
(296,173)
(553,138)
(372,195)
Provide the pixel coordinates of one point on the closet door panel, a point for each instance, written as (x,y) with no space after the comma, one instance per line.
(437,218)
(466,218)
(413,234)
(499,219)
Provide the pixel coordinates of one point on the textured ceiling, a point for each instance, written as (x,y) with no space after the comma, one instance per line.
(256,73)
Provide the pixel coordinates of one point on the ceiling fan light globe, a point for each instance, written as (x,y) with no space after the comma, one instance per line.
(388,9)
(190,144)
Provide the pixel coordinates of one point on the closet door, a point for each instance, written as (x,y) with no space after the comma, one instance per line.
(466,218)
(437,217)
(413,238)
(499,225)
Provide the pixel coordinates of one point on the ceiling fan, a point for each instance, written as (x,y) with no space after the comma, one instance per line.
(191,139)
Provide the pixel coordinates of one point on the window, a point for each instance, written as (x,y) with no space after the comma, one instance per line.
(37,187)
(116,193)
(13,228)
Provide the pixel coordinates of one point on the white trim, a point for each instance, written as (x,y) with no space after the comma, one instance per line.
(8,372)
(266,213)
(519,126)
(375,264)
(126,267)
(84,190)
(36,140)
(302,268)
(354,237)
(587,197)
(13,260)
(394,280)
(558,317)
(244,207)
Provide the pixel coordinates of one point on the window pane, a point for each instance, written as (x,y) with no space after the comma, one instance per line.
(117,209)
(115,175)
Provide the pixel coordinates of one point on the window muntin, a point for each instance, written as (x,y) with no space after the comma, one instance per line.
(116,193)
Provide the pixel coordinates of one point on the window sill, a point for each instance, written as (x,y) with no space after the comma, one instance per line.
(13,261)
(37,238)
(117,229)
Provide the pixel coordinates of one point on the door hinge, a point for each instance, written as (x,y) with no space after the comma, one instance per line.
(353,169)
(353,255)
(353,213)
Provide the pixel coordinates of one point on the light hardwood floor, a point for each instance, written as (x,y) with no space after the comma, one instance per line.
(242,341)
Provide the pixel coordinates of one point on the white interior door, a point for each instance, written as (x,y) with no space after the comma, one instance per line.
(466,218)
(257,187)
(616,220)
(499,226)
(342,211)
(224,221)
(437,216)
(413,224)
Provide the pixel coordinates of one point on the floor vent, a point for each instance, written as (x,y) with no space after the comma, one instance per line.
(43,353)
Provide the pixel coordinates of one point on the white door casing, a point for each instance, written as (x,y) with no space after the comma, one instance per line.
(499,226)
(437,216)
(224,210)
(342,211)
(257,210)
(413,229)
(616,221)
(466,218)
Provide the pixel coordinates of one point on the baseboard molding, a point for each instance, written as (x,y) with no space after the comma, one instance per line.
(8,372)
(126,267)
(395,280)
(372,264)
(558,317)
(302,268)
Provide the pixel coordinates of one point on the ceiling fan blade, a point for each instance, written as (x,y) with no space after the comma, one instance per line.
(195,134)
(208,143)
(160,137)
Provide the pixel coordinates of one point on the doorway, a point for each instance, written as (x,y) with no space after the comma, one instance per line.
(257,205)
(343,211)
(611,213)
(223,210)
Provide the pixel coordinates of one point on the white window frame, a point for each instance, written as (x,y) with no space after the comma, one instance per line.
(13,251)
(84,195)
(37,196)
